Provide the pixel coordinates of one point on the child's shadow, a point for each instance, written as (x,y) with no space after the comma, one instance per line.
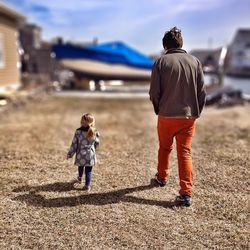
(35,199)
(52,187)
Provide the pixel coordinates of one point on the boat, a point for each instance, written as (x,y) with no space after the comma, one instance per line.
(107,61)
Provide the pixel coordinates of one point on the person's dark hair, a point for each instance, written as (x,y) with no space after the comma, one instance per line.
(172,39)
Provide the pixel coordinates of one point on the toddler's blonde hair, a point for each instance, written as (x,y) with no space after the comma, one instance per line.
(88,120)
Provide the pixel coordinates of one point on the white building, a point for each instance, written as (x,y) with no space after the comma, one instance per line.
(238,58)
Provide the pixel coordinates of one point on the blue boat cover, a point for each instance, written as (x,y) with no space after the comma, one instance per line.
(113,53)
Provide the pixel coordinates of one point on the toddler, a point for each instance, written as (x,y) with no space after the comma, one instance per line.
(84,144)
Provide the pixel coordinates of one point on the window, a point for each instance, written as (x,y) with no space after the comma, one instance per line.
(1,51)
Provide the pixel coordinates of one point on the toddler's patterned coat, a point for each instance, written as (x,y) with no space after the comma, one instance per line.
(84,148)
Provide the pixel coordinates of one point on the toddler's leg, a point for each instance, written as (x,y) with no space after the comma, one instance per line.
(88,175)
(80,172)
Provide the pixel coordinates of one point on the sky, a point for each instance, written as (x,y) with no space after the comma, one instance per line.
(139,23)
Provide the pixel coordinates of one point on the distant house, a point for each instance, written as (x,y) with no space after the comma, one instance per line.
(238,58)
(9,57)
(37,63)
(209,58)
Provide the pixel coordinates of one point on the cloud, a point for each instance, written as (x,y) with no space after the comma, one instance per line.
(59,5)
(139,23)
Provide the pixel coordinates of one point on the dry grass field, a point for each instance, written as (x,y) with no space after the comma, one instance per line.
(41,209)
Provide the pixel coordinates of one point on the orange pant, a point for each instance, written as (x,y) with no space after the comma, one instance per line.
(182,129)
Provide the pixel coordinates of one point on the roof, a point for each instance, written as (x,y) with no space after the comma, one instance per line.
(244,31)
(242,34)
(31,26)
(4,9)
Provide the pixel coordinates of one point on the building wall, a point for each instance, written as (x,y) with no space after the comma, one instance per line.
(9,71)
(238,57)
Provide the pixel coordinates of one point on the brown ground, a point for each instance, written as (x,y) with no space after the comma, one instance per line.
(40,209)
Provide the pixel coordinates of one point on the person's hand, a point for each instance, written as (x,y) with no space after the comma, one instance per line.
(67,157)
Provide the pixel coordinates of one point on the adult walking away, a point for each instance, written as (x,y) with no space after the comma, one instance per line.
(178,96)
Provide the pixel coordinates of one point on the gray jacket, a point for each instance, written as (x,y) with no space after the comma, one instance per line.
(177,85)
(84,148)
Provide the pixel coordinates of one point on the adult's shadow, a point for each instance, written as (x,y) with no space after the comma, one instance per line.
(98,199)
